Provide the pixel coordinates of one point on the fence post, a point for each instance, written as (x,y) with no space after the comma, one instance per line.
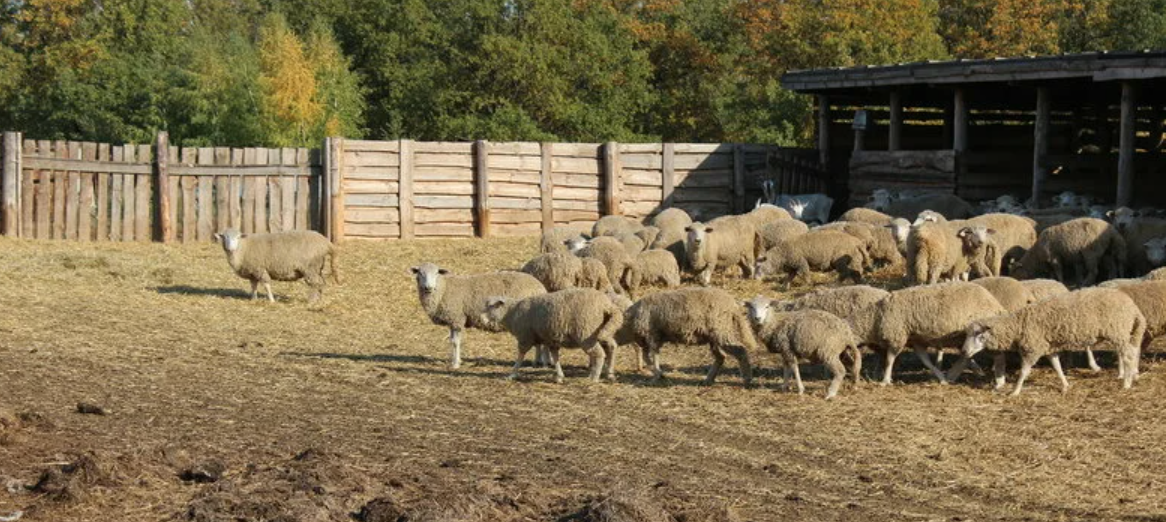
(547,185)
(165,232)
(405,190)
(333,171)
(668,183)
(9,183)
(738,178)
(611,176)
(481,188)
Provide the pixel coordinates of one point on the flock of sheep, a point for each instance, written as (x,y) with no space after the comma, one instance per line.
(974,283)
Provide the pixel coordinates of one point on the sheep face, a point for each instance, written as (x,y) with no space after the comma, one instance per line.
(975,237)
(978,338)
(758,309)
(1065,199)
(1122,217)
(929,216)
(229,238)
(900,229)
(577,243)
(797,209)
(697,236)
(1156,251)
(429,277)
(880,200)
(496,309)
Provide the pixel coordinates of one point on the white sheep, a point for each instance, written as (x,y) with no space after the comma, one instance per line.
(818,250)
(865,215)
(652,267)
(281,256)
(609,251)
(817,336)
(772,234)
(556,271)
(1082,244)
(554,240)
(615,225)
(721,244)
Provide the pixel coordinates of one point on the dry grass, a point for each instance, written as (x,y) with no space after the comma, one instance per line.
(316,412)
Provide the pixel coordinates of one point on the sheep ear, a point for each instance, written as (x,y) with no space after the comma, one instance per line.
(415,270)
(688,228)
(964,232)
(1109,213)
(991,231)
(708,230)
(217,238)
(443,271)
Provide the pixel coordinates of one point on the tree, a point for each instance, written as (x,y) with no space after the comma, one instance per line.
(339,92)
(290,106)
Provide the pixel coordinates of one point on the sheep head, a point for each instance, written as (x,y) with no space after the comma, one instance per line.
(496,309)
(929,216)
(429,277)
(229,239)
(758,309)
(1156,251)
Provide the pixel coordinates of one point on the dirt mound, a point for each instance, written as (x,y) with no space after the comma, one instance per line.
(72,480)
(621,506)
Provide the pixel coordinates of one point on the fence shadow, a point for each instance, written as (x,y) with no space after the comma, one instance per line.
(235,293)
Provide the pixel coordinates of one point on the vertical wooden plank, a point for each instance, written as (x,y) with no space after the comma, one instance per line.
(959,121)
(317,192)
(611,178)
(115,192)
(824,131)
(222,192)
(895,132)
(9,184)
(28,193)
(189,203)
(248,194)
(274,194)
(547,184)
(287,192)
(335,186)
(1125,157)
(1040,144)
(60,183)
(162,178)
(128,201)
(85,213)
(44,193)
(261,225)
(103,151)
(303,191)
(668,181)
(174,189)
(72,193)
(236,190)
(143,196)
(738,179)
(405,190)
(206,204)
(481,188)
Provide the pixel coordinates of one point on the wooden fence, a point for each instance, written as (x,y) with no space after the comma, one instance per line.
(374,189)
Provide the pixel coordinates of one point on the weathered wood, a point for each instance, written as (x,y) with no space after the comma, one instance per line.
(381,200)
(246,171)
(1040,144)
(959,121)
(372,215)
(162,177)
(9,184)
(44,194)
(27,193)
(481,188)
(405,196)
(128,203)
(287,191)
(143,193)
(738,180)
(222,188)
(115,191)
(235,186)
(248,195)
(60,182)
(275,196)
(262,157)
(189,205)
(895,132)
(668,175)
(824,131)
(334,150)
(373,230)
(441,201)
(611,175)
(547,186)
(174,191)
(206,203)
(302,193)
(85,213)
(1125,159)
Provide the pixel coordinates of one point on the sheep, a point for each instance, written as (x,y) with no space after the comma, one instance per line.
(1045,221)
(722,243)
(1137,232)
(772,234)
(843,301)
(1011,294)
(1013,235)
(766,213)
(922,316)
(671,222)
(632,243)
(878,241)
(949,205)
(615,225)
(1082,244)
(1157,274)
(1044,288)
(821,251)
(607,250)
(624,336)
(817,336)
(283,256)
(1076,320)
(807,207)
(554,240)
(652,267)
(692,316)
(557,271)
(865,215)
(457,302)
(900,228)
(1155,251)
(1150,298)
(648,235)
(593,274)
(936,250)
(573,318)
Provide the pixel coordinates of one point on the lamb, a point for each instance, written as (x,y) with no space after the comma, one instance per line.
(821,251)
(283,256)
(652,267)
(865,215)
(607,250)
(671,223)
(554,240)
(1012,294)
(615,225)
(772,234)
(817,336)
(457,302)
(878,241)
(1082,244)
(557,271)
(1076,320)
(574,318)
(692,316)
(1042,289)
(723,243)
(949,205)
(843,301)
(923,316)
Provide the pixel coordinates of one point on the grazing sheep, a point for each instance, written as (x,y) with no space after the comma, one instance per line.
(1011,294)
(1140,234)
(574,318)
(282,256)
(648,235)
(632,243)
(1076,320)
(557,271)
(593,274)
(723,243)
(1044,288)
(1082,244)
(865,215)
(554,240)
(607,250)
(821,251)
(1150,297)
(671,223)
(692,316)
(878,241)
(457,302)
(615,225)
(656,267)
(949,205)
(920,317)
(843,301)
(772,234)
(817,336)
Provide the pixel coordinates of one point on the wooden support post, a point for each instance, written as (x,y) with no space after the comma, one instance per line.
(959,139)
(547,185)
(948,125)
(668,183)
(1040,146)
(165,231)
(333,170)
(481,188)
(405,190)
(824,131)
(738,179)
(859,140)
(9,184)
(895,133)
(611,177)
(1125,159)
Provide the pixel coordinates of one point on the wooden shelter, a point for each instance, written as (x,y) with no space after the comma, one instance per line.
(1091,123)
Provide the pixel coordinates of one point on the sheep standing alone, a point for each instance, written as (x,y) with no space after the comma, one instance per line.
(1082,244)
(283,256)
(865,215)
(814,335)
(721,244)
(574,318)
(920,317)
(692,316)
(653,267)
(1084,318)
(458,302)
(821,251)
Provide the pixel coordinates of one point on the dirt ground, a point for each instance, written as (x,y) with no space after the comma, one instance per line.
(206,406)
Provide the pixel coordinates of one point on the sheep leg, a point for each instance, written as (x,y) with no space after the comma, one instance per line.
(1025,368)
(718,362)
(742,356)
(518,359)
(798,376)
(888,365)
(1058,271)
(1131,355)
(315,281)
(1055,360)
(254,289)
(921,353)
(838,374)
(856,364)
(651,353)
(558,367)
(746,269)
(705,277)
(785,376)
(267,286)
(998,371)
(455,348)
(609,359)
(1092,362)
(939,357)
(598,361)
